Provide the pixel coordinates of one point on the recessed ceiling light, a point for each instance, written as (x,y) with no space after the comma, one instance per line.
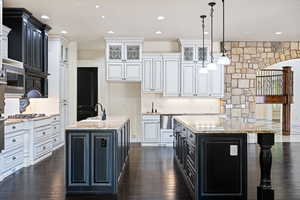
(45,17)
(278,33)
(102,16)
(160,18)
(110,32)
(97,6)
(158,32)
(205,32)
(64,32)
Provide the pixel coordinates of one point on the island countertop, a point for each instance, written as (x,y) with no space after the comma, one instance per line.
(220,124)
(112,123)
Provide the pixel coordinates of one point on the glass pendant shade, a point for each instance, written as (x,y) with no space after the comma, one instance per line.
(203,70)
(212,66)
(224,60)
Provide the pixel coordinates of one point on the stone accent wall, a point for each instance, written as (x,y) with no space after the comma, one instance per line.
(240,76)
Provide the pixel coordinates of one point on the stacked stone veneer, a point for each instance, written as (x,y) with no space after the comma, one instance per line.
(240,76)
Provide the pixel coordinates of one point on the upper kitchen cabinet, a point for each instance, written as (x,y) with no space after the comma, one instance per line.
(28,43)
(152,73)
(172,74)
(124,59)
(192,51)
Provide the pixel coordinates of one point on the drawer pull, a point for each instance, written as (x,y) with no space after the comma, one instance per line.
(14,158)
(54,139)
(191,136)
(44,148)
(54,118)
(14,140)
(54,127)
(44,133)
(170,135)
(13,127)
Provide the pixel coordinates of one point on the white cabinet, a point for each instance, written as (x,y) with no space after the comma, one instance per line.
(188,80)
(151,129)
(192,51)
(216,82)
(4,45)
(172,74)
(124,59)
(152,73)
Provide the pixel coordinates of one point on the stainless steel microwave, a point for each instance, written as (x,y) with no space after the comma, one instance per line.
(15,78)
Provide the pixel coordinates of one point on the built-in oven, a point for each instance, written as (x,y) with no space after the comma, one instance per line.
(15,78)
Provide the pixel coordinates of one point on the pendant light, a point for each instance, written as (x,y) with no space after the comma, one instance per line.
(211,65)
(203,69)
(223,60)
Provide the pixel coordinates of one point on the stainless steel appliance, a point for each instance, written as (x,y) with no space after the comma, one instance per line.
(166,121)
(15,78)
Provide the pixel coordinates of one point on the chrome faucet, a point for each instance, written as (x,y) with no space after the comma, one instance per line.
(102,110)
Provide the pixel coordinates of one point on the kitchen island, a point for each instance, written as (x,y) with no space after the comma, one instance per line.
(96,155)
(211,153)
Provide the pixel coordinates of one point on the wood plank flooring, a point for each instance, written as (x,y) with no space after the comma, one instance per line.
(151,176)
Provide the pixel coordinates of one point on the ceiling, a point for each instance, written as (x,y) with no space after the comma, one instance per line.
(245,19)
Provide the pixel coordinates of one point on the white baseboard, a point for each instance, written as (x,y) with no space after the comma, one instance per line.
(135,140)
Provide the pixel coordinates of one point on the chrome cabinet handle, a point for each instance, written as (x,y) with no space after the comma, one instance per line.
(14,158)
(14,140)
(13,127)
(44,148)
(44,133)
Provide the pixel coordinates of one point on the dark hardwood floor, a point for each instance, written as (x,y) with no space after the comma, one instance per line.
(151,175)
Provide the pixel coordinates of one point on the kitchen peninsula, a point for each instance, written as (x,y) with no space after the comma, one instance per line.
(211,153)
(96,155)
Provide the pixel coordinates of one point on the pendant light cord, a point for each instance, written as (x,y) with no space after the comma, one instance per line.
(223,45)
(212,4)
(203,27)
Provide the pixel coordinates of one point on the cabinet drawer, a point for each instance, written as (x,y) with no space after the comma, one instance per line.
(56,128)
(55,118)
(42,122)
(14,127)
(56,140)
(166,136)
(40,150)
(13,159)
(14,140)
(41,135)
(151,117)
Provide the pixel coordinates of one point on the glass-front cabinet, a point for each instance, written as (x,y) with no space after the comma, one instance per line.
(126,54)
(192,51)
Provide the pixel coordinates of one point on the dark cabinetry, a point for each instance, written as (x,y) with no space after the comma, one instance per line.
(214,166)
(96,160)
(28,43)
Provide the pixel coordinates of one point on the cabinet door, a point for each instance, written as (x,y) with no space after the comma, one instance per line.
(151,131)
(114,52)
(202,83)
(115,71)
(216,82)
(132,52)
(171,77)
(27,44)
(147,75)
(188,80)
(133,71)
(78,159)
(157,75)
(199,53)
(102,159)
(188,55)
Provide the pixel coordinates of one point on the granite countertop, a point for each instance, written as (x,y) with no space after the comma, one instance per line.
(220,124)
(15,121)
(112,123)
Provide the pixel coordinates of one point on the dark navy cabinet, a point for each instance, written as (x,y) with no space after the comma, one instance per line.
(96,160)
(214,166)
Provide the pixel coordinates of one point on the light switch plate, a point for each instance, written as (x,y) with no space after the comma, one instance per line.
(234,150)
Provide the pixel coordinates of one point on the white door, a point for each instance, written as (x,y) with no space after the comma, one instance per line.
(202,82)
(188,82)
(115,71)
(147,75)
(115,52)
(132,52)
(171,77)
(216,82)
(151,130)
(133,72)
(157,75)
